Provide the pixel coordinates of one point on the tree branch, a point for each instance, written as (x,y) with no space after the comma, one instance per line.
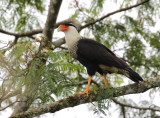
(9,95)
(54,7)
(135,107)
(114,12)
(72,101)
(123,111)
(8,106)
(74,21)
(37,31)
(50,24)
(61,41)
(22,34)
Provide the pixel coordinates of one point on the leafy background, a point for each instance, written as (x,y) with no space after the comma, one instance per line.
(133,35)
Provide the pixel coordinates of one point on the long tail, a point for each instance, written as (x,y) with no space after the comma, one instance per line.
(133,75)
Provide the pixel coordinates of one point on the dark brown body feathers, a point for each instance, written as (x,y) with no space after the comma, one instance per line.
(98,58)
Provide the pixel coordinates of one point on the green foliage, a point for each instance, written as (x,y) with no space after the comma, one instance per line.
(136,51)
(37,4)
(61,61)
(102,105)
(109,34)
(22,14)
(88,14)
(96,6)
(56,73)
(54,78)
(154,41)
(132,36)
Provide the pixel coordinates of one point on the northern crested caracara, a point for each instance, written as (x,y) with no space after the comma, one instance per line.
(95,56)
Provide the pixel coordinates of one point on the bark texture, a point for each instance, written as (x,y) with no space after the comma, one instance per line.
(26,97)
(50,24)
(72,101)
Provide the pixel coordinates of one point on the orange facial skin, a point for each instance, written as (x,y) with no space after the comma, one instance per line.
(64,27)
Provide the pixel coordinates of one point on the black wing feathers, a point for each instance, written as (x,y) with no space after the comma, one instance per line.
(96,53)
(133,75)
(99,54)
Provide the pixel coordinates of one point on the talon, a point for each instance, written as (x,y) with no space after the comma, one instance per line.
(107,87)
(87,89)
(85,92)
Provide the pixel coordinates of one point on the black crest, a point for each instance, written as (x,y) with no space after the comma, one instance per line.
(70,24)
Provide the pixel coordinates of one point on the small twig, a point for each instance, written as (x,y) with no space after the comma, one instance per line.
(3,90)
(23,34)
(32,37)
(135,107)
(123,111)
(80,9)
(125,47)
(14,93)
(8,106)
(15,40)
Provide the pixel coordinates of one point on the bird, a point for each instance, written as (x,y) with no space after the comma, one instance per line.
(95,56)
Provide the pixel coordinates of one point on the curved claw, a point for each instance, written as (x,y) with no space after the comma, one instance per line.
(85,92)
(107,87)
(87,89)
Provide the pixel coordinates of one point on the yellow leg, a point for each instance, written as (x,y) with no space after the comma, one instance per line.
(105,81)
(87,89)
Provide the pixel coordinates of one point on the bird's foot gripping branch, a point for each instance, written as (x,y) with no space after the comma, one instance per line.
(81,99)
(95,56)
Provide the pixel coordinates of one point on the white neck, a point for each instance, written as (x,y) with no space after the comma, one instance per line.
(71,36)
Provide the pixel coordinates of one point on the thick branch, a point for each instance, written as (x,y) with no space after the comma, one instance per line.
(105,94)
(27,97)
(50,24)
(51,18)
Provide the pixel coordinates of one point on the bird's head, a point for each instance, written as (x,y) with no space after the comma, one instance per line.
(66,27)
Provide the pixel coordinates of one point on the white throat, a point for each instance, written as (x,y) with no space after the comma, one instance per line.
(71,36)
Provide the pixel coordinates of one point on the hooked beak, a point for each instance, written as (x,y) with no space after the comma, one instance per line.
(59,29)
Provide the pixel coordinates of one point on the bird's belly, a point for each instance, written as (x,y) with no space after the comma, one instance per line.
(107,68)
(112,69)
